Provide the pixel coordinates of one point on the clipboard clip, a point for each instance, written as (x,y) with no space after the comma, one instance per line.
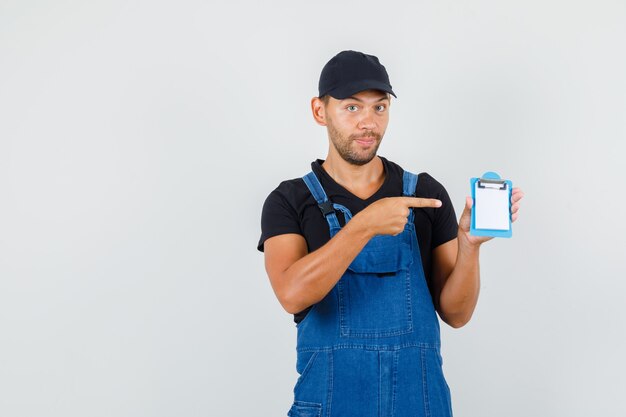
(492,180)
(494,184)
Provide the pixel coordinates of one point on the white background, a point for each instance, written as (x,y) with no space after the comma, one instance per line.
(139,139)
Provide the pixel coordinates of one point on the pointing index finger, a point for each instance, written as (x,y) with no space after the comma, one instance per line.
(421,202)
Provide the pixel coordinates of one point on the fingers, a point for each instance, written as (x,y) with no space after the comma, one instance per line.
(421,202)
(516,195)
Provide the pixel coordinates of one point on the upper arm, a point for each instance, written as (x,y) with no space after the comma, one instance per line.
(282,240)
(281,252)
(443,261)
(444,243)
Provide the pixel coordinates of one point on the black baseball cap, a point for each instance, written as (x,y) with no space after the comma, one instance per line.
(349,72)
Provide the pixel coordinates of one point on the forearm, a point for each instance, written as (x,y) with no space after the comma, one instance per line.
(311,277)
(459,295)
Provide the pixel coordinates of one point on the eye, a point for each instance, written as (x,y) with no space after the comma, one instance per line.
(381,107)
(351,108)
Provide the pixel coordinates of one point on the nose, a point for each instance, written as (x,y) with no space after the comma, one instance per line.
(367,121)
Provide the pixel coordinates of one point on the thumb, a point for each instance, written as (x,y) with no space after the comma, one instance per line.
(468,205)
(464,221)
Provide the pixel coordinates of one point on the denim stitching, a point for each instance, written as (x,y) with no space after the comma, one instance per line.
(394,382)
(329,398)
(380,383)
(306,404)
(343,306)
(369,347)
(425,383)
(409,306)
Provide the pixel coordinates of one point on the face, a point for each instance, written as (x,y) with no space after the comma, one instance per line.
(356,125)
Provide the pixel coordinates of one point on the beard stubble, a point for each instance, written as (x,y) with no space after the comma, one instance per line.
(344,146)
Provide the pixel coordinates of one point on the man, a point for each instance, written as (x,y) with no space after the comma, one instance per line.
(364,254)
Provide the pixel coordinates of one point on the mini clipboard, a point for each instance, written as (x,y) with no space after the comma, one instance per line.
(491,212)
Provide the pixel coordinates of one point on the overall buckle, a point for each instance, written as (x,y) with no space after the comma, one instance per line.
(326,207)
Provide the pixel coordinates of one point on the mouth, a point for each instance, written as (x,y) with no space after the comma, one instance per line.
(367,141)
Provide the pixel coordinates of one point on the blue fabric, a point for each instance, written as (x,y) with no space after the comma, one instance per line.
(371,347)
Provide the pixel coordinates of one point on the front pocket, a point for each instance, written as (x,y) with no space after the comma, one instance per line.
(375,292)
(305,409)
(307,358)
(315,372)
(384,254)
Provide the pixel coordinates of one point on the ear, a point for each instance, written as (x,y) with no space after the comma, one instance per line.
(319,112)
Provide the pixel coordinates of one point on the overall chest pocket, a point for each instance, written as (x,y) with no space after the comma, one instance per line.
(375,291)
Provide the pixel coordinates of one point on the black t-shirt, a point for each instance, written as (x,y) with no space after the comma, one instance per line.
(291,208)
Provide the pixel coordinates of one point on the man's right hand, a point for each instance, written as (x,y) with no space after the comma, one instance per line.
(301,279)
(388,216)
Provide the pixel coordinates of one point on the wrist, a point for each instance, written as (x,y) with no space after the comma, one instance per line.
(466,246)
(359,226)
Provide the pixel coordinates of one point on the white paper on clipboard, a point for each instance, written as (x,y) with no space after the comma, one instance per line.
(492,206)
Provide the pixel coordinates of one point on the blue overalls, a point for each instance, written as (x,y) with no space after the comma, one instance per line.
(371,346)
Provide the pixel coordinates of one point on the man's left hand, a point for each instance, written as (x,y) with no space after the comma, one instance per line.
(465,239)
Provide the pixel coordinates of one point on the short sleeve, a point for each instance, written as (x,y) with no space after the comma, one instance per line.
(445,225)
(278,217)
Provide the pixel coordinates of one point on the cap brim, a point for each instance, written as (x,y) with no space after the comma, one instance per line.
(357,86)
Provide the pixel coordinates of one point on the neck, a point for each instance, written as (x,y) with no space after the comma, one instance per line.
(355,177)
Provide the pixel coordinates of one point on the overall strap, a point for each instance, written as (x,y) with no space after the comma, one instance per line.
(409,182)
(323,202)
